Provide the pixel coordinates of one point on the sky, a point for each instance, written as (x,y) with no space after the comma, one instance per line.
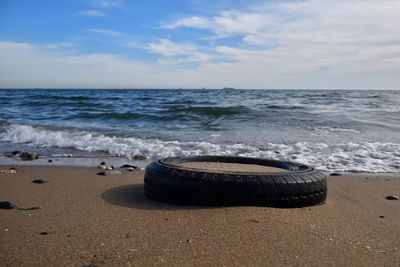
(273,44)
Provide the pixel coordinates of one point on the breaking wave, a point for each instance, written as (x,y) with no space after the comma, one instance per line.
(346,157)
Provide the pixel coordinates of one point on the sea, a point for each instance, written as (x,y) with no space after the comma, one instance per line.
(332,130)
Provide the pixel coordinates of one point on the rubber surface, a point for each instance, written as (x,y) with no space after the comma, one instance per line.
(298,186)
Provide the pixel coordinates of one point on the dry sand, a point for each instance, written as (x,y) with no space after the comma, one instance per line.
(233,167)
(107,221)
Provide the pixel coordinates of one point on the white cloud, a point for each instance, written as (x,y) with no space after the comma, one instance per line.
(313,38)
(310,21)
(283,44)
(193,22)
(170,49)
(107,32)
(92,13)
(26,65)
(32,66)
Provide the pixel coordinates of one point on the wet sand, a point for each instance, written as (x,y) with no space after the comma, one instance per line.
(107,221)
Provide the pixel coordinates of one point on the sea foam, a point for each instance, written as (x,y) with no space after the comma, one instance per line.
(351,156)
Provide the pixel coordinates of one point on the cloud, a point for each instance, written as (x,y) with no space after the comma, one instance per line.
(32,66)
(313,38)
(170,49)
(92,13)
(107,32)
(311,21)
(192,22)
(26,65)
(281,44)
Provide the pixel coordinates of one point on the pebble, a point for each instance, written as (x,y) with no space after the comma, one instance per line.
(6,205)
(101,167)
(128,166)
(43,233)
(8,171)
(141,169)
(39,181)
(139,157)
(381,216)
(393,198)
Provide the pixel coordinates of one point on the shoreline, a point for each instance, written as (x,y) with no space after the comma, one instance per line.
(93,161)
(107,221)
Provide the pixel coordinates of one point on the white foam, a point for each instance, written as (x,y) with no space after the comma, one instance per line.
(360,157)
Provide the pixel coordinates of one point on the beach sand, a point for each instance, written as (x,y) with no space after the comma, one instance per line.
(107,221)
(233,167)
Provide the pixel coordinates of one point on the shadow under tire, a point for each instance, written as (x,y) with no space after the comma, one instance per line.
(298,186)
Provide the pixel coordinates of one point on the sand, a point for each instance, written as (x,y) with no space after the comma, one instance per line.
(107,221)
(234,167)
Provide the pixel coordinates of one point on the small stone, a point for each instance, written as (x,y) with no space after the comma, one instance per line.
(43,233)
(188,241)
(335,174)
(39,181)
(6,205)
(128,166)
(139,157)
(6,230)
(381,216)
(141,169)
(101,167)
(110,168)
(393,198)
(205,233)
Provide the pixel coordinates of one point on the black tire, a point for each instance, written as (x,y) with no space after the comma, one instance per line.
(298,186)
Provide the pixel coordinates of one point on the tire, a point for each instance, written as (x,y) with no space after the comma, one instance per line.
(298,186)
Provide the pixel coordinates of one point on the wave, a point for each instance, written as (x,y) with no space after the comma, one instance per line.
(210,110)
(346,157)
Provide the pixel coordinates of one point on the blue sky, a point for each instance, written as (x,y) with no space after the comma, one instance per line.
(194,44)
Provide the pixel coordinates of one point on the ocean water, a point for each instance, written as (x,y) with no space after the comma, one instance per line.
(332,130)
